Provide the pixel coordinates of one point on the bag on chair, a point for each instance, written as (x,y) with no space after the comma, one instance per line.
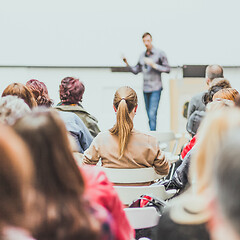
(148,201)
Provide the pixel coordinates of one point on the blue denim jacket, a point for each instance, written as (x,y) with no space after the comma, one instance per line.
(77,129)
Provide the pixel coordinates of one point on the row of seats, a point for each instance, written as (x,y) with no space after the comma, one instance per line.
(145,217)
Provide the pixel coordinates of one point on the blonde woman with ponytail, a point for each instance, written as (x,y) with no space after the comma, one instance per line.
(123,146)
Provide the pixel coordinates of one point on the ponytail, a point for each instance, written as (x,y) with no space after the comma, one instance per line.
(124,124)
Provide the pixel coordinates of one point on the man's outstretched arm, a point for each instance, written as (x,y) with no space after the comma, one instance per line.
(136,69)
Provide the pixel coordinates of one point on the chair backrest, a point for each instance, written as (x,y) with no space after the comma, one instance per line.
(165,139)
(163,136)
(142,217)
(136,175)
(128,194)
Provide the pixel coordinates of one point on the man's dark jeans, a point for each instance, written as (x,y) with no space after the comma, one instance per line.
(151,103)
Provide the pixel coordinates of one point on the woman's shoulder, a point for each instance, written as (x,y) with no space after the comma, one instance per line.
(145,136)
(104,136)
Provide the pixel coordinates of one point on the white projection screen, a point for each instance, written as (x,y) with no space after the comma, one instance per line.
(98,32)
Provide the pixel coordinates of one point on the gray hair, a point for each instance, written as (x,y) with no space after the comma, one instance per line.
(12,108)
(214,71)
(227,179)
(219,103)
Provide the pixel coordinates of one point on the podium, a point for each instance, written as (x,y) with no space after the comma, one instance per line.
(181,91)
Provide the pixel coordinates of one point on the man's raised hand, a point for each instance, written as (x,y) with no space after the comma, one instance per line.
(125,60)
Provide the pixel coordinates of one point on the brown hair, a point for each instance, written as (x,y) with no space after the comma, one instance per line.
(226,93)
(221,81)
(217,86)
(16,172)
(20,90)
(146,34)
(125,100)
(65,212)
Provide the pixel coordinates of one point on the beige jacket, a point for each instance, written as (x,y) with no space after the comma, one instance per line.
(142,151)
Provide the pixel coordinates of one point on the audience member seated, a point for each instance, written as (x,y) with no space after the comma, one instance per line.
(21,91)
(226,93)
(68,210)
(210,139)
(73,123)
(71,92)
(123,146)
(16,192)
(180,179)
(225,205)
(196,103)
(65,212)
(196,116)
(225,101)
(12,108)
(194,121)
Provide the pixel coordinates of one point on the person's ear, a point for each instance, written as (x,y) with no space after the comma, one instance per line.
(208,81)
(114,109)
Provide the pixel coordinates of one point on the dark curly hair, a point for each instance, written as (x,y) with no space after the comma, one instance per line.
(40,92)
(208,96)
(71,90)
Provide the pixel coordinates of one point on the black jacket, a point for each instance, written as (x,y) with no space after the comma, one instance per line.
(180,177)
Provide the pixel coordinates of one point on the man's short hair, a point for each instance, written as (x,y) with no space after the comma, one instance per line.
(214,71)
(226,179)
(146,34)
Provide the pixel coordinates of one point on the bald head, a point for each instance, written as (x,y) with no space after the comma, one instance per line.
(214,71)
